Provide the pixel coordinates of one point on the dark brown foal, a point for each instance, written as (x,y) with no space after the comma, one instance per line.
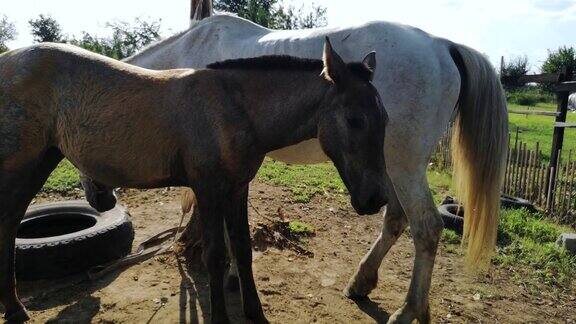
(209,130)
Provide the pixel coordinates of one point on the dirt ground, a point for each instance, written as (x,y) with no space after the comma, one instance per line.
(293,288)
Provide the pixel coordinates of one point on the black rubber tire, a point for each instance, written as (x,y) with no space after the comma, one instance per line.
(453,217)
(103,237)
(516,203)
(506,201)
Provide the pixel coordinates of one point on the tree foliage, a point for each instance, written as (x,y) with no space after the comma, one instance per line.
(558,59)
(125,41)
(46,29)
(512,71)
(7,33)
(273,14)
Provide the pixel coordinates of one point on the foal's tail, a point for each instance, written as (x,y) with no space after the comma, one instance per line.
(479,150)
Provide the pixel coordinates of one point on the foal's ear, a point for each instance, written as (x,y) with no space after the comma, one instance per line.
(370,63)
(334,68)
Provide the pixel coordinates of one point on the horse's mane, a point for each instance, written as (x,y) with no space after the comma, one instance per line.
(285,62)
(269,62)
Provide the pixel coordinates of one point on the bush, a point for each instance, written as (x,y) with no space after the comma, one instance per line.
(511,72)
(529,96)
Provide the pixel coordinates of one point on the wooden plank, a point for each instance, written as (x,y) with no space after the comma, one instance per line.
(558,136)
(532,178)
(566,184)
(568,86)
(525,172)
(534,112)
(540,78)
(542,185)
(565,125)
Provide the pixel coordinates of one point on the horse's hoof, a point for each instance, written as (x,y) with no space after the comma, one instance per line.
(407,314)
(19,316)
(232,283)
(360,288)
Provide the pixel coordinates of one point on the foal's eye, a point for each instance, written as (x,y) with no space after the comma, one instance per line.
(355,123)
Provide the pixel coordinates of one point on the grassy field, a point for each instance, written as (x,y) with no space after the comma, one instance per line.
(533,128)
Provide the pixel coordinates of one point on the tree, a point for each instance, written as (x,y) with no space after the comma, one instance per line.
(558,59)
(7,33)
(272,14)
(46,29)
(512,71)
(126,39)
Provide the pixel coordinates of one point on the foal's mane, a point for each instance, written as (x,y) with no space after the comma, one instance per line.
(285,62)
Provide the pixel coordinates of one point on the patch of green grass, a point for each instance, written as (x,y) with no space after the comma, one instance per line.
(450,237)
(304,181)
(299,228)
(546,262)
(531,245)
(63,179)
(533,226)
(440,184)
(534,128)
(307,181)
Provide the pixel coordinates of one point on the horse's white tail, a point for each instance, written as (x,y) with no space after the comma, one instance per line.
(479,150)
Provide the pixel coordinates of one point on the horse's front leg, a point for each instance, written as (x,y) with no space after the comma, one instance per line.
(425,227)
(366,277)
(239,234)
(212,208)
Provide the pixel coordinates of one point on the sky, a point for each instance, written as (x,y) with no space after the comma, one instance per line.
(495,27)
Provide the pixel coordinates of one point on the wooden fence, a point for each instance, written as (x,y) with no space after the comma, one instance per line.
(527,176)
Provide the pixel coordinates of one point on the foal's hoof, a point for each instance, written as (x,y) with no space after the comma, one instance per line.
(232,283)
(105,202)
(19,316)
(360,286)
(260,319)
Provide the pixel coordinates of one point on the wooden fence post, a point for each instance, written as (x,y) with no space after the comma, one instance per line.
(558,137)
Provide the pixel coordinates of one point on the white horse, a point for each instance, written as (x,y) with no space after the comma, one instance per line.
(422,79)
(572,102)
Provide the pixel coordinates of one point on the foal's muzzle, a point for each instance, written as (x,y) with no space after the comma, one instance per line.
(370,202)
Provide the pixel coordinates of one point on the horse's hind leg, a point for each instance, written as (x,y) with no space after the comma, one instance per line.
(366,277)
(425,227)
(16,191)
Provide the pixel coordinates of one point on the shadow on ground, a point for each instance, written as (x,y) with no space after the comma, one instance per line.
(77,292)
(373,310)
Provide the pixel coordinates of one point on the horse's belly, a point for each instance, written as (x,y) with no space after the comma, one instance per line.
(306,152)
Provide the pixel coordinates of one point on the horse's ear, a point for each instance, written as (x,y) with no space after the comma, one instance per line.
(370,63)
(334,68)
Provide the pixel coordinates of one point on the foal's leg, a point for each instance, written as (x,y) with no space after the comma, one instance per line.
(366,277)
(239,233)
(16,191)
(232,279)
(98,196)
(211,210)
(425,226)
